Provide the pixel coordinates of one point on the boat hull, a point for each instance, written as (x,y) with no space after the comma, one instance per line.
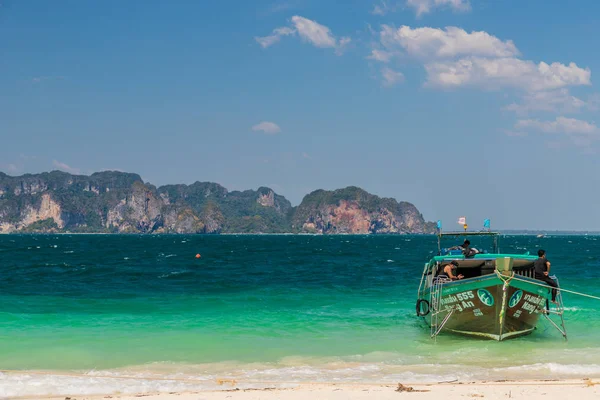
(488,308)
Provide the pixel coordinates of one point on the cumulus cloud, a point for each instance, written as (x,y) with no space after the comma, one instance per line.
(453,57)
(378,10)
(309,31)
(313,32)
(560,101)
(383,7)
(391,77)
(267,127)
(380,55)
(425,6)
(433,43)
(580,133)
(502,72)
(563,130)
(275,37)
(64,167)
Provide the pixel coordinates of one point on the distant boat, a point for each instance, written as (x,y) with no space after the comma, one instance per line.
(541,235)
(498,298)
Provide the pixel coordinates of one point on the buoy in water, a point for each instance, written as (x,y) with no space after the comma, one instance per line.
(198,255)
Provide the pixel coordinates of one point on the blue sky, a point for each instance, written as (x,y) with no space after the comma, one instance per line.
(464,107)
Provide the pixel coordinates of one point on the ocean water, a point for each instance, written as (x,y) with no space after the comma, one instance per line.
(86,314)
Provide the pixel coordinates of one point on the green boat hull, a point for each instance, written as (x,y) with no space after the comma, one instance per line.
(488,308)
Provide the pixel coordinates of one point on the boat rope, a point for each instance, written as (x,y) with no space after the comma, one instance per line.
(506,280)
(559,289)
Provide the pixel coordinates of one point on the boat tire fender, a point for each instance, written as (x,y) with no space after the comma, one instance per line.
(421,313)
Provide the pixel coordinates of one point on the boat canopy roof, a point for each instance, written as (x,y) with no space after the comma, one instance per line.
(467,233)
(483,257)
(494,235)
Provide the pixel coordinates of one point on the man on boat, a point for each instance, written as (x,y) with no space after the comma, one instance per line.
(542,271)
(449,271)
(466,249)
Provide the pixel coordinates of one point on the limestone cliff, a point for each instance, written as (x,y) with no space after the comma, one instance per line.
(122,203)
(354,211)
(117,202)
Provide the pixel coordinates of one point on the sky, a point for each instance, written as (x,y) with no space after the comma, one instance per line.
(476,108)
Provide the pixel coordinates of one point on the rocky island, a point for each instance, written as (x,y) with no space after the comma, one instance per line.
(119,202)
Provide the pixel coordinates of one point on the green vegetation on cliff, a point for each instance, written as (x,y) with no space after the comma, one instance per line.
(112,201)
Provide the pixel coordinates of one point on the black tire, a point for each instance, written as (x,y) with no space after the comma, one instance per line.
(419,312)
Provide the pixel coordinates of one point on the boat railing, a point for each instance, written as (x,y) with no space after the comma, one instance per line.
(557,311)
(555,314)
(436,306)
(527,273)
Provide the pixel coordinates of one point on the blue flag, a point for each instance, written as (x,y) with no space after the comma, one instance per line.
(486,223)
(439,224)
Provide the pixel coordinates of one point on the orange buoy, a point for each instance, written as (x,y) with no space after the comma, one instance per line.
(198,255)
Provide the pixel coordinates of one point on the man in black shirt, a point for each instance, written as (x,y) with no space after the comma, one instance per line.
(541,267)
(467,250)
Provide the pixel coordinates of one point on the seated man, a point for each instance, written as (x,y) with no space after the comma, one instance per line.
(466,249)
(449,271)
(542,271)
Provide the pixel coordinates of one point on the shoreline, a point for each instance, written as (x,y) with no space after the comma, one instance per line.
(581,389)
(399,234)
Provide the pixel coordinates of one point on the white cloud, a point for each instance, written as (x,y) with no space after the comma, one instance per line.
(391,77)
(383,8)
(270,40)
(342,43)
(560,101)
(425,6)
(64,167)
(433,43)
(309,31)
(379,10)
(380,55)
(495,73)
(267,127)
(453,57)
(580,133)
(570,126)
(317,34)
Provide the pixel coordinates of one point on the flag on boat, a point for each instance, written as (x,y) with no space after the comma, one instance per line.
(462,220)
(439,224)
(486,223)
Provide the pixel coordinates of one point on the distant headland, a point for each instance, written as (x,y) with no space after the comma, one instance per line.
(119,202)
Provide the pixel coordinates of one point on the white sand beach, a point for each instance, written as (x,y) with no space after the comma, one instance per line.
(580,389)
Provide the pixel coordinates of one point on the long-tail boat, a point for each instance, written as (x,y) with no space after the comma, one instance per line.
(498,297)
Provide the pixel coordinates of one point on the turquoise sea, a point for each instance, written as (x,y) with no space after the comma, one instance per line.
(85,314)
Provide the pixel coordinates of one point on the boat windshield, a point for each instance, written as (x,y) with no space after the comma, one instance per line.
(482,242)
